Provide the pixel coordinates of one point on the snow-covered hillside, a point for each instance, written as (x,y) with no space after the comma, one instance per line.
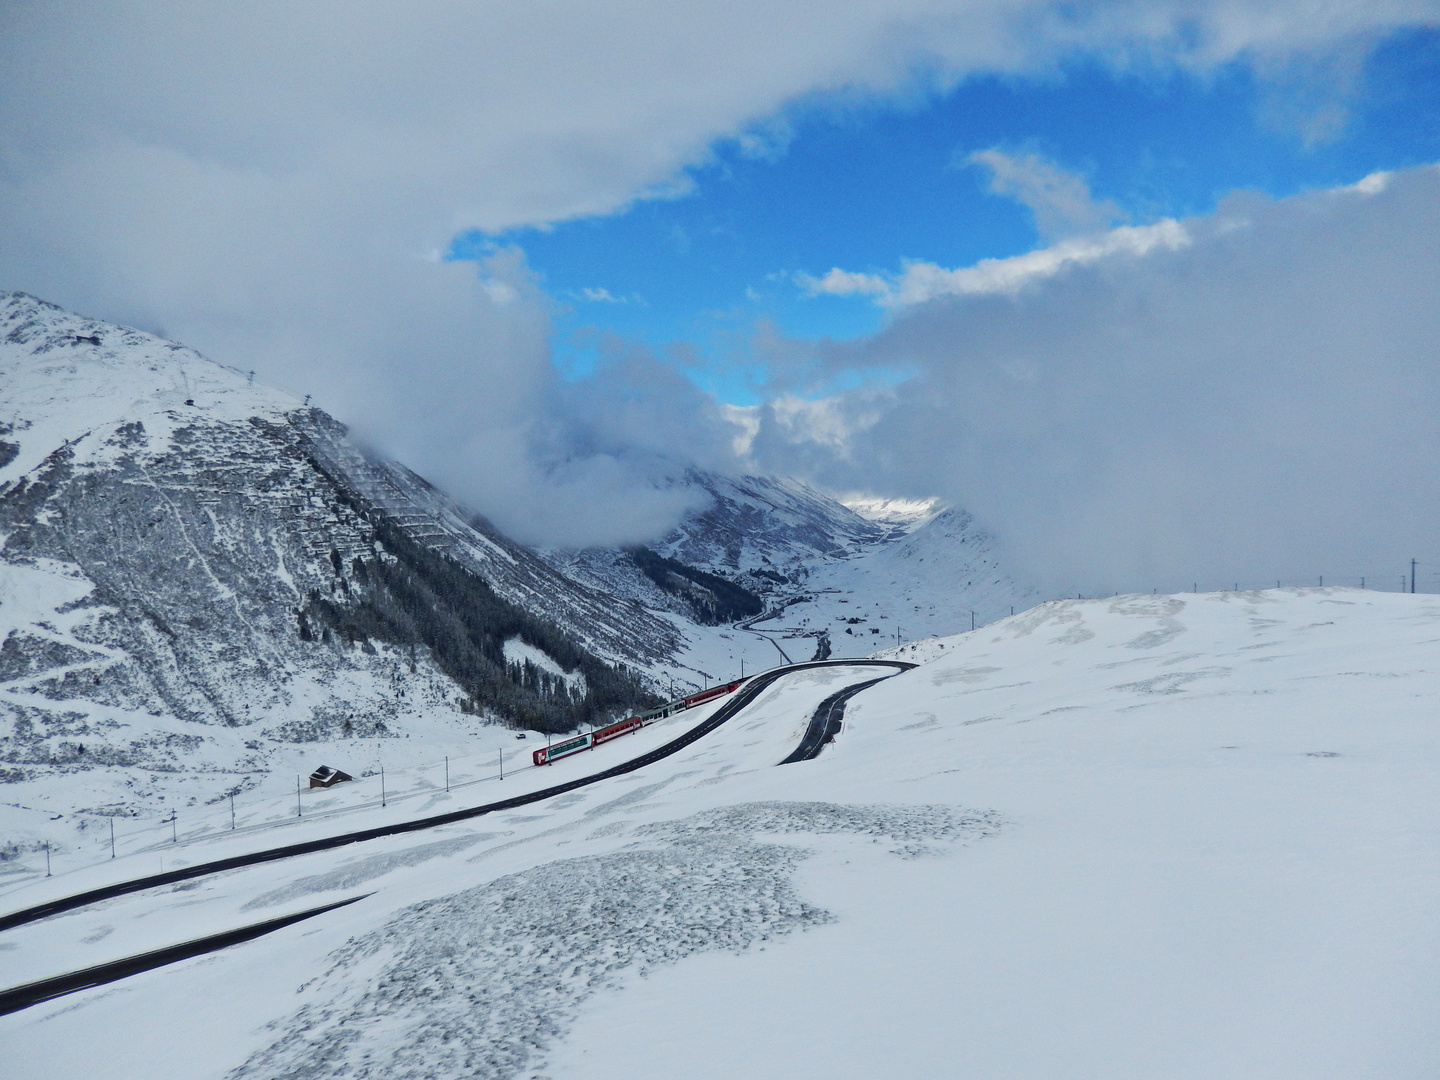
(172,532)
(763,533)
(930,582)
(183,573)
(1187,836)
(819,567)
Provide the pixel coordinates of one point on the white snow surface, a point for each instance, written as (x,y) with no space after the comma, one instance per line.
(150,657)
(60,387)
(924,574)
(519,652)
(1180,836)
(907,513)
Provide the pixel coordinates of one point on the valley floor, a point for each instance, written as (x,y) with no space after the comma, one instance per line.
(1183,836)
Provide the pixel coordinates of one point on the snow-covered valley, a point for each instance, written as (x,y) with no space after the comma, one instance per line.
(1184,836)
(207,590)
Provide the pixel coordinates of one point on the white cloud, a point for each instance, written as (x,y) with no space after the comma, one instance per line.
(746,420)
(601,296)
(920,281)
(1373,184)
(830,423)
(266,179)
(839,282)
(1060,200)
(1250,397)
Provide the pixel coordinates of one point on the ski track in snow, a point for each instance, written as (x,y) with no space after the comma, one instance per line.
(482,982)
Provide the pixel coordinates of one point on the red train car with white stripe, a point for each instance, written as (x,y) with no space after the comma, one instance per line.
(591,739)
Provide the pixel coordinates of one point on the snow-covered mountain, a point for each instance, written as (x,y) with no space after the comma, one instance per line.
(1173,836)
(197,571)
(761,533)
(817,567)
(204,585)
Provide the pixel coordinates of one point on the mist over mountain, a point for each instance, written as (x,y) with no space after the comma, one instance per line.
(196,569)
(202,577)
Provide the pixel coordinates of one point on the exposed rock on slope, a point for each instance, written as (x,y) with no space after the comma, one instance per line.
(193,567)
(817,567)
(760,534)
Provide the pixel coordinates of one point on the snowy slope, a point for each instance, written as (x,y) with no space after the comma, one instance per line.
(856,574)
(1150,836)
(165,524)
(762,532)
(757,522)
(929,582)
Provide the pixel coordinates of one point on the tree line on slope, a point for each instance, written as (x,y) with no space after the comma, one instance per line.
(711,598)
(422,597)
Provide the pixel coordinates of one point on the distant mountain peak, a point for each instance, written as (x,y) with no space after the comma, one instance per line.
(907,513)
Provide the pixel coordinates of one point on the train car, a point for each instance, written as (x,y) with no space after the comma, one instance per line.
(711,694)
(668,709)
(546,754)
(624,727)
(592,739)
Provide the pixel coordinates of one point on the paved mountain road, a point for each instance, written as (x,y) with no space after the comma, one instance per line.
(825,723)
(741,698)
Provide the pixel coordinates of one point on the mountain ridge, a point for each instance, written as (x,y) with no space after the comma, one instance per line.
(165,526)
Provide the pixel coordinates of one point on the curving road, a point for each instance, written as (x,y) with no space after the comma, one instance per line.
(741,698)
(825,723)
(22,997)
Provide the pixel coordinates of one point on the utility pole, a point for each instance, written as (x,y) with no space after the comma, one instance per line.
(382,786)
(297,796)
(502,763)
(1412,575)
(972,621)
(232,811)
(174,829)
(47,858)
(112,837)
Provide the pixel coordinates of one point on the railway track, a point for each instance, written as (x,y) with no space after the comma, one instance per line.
(742,697)
(823,724)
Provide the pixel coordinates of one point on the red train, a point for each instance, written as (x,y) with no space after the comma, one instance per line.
(591,739)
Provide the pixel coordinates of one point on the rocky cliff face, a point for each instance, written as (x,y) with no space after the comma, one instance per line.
(194,568)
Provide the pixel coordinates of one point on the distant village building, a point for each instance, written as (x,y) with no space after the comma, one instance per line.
(325,776)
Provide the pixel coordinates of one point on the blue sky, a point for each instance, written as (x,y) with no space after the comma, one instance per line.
(270,183)
(864,185)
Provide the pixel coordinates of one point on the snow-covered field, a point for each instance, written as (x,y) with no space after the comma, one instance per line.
(1150,836)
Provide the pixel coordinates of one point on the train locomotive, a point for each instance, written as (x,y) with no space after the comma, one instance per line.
(591,739)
